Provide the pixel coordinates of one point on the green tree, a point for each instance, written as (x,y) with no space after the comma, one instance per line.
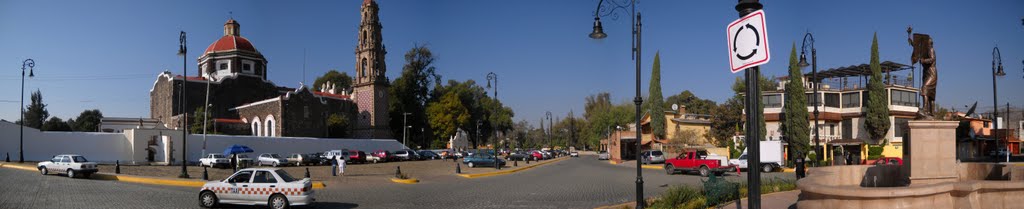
(35,112)
(197,122)
(410,93)
(877,122)
(726,120)
(341,80)
(338,126)
(447,115)
(87,121)
(691,102)
(795,127)
(55,124)
(655,103)
(740,88)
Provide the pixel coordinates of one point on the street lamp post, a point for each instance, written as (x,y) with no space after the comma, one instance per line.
(636,25)
(753,98)
(31,64)
(405,128)
(814,81)
(182,50)
(997,71)
(494,144)
(550,125)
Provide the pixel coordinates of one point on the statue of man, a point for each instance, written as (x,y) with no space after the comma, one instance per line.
(924,52)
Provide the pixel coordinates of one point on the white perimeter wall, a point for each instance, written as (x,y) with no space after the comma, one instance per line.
(108,147)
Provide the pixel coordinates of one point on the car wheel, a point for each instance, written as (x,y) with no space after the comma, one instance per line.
(374,161)
(71,173)
(278,201)
(275,164)
(669,169)
(704,171)
(260,163)
(207,199)
(43,170)
(767,168)
(470,164)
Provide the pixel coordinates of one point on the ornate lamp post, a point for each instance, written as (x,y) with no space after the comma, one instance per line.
(182,49)
(31,64)
(550,125)
(494,144)
(598,33)
(997,71)
(814,81)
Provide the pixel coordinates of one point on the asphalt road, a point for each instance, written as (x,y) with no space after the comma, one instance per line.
(574,183)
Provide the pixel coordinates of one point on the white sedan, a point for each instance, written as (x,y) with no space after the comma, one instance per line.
(69,164)
(258,186)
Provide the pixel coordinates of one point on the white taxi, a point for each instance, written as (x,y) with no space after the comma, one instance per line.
(258,186)
(69,164)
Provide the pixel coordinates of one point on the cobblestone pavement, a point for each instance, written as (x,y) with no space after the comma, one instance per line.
(582,182)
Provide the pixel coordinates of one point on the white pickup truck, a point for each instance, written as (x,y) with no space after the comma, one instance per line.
(771,157)
(72,165)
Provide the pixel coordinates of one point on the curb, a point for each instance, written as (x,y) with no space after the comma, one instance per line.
(505,172)
(652,167)
(405,181)
(146,180)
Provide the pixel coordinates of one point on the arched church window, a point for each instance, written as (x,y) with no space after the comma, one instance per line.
(257,128)
(271,128)
(364,67)
(365,39)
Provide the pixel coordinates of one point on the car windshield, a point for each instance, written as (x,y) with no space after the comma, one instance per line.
(275,156)
(217,156)
(656,153)
(284,176)
(80,159)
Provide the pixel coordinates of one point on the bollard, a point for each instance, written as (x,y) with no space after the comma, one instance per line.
(458,168)
(398,171)
(307,172)
(8,158)
(334,169)
(117,167)
(527,161)
(206,176)
(515,163)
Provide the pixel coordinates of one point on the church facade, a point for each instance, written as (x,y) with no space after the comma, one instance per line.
(243,101)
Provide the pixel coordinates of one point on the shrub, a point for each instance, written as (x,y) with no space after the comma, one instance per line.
(678,196)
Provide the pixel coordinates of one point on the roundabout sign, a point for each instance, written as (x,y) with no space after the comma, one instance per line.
(748,42)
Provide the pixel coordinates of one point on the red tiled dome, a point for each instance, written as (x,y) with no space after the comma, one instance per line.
(227,43)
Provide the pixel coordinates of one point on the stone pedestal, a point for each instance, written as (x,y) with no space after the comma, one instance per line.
(930,152)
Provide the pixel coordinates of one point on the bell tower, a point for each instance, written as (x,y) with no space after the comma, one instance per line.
(370,88)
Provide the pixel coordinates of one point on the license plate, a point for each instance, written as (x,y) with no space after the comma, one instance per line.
(234,190)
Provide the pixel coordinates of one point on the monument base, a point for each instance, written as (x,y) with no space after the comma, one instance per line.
(929,154)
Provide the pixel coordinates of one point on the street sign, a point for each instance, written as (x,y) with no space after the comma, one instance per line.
(748,42)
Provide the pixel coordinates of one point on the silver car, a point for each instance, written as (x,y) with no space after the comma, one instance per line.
(652,157)
(603,156)
(271,159)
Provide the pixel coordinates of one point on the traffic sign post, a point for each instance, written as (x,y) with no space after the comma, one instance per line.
(748,42)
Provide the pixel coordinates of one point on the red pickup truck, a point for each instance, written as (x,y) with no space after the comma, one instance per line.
(696,160)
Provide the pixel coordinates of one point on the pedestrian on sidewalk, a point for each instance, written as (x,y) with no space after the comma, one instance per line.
(341,165)
(800,166)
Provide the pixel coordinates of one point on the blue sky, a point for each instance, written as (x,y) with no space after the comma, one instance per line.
(106,54)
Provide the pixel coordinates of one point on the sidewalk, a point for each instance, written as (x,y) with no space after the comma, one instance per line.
(785,199)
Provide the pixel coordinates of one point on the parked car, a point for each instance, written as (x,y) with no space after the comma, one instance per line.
(380,156)
(405,154)
(332,155)
(603,155)
(427,154)
(461,154)
(272,187)
(574,154)
(998,152)
(299,159)
(652,157)
(271,159)
(244,160)
(316,158)
(696,160)
(482,159)
(537,155)
(356,156)
(517,156)
(70,164)
(888,161)
(446,154)
(215,160)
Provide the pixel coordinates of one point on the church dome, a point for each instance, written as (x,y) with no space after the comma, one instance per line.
(231,40)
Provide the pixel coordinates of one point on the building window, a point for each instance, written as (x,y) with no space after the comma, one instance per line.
(247,66)
(813,100)
(900,126)
(851,99)
(271,128)
(772,100)
(904,98)
(364,68)
(257,128)
(847,128)
(832,100)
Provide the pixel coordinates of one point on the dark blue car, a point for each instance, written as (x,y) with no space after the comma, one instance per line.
(482,159)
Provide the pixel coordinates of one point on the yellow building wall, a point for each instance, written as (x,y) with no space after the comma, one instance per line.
(702,130)
(893,150)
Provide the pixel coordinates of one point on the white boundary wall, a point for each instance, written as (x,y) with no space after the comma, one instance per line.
(108,147)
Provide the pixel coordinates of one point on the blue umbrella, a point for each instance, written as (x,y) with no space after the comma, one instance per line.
(235,149)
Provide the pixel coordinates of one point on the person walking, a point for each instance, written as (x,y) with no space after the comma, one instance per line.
(341,165)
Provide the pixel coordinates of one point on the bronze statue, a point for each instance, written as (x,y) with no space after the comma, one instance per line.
(924,52)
